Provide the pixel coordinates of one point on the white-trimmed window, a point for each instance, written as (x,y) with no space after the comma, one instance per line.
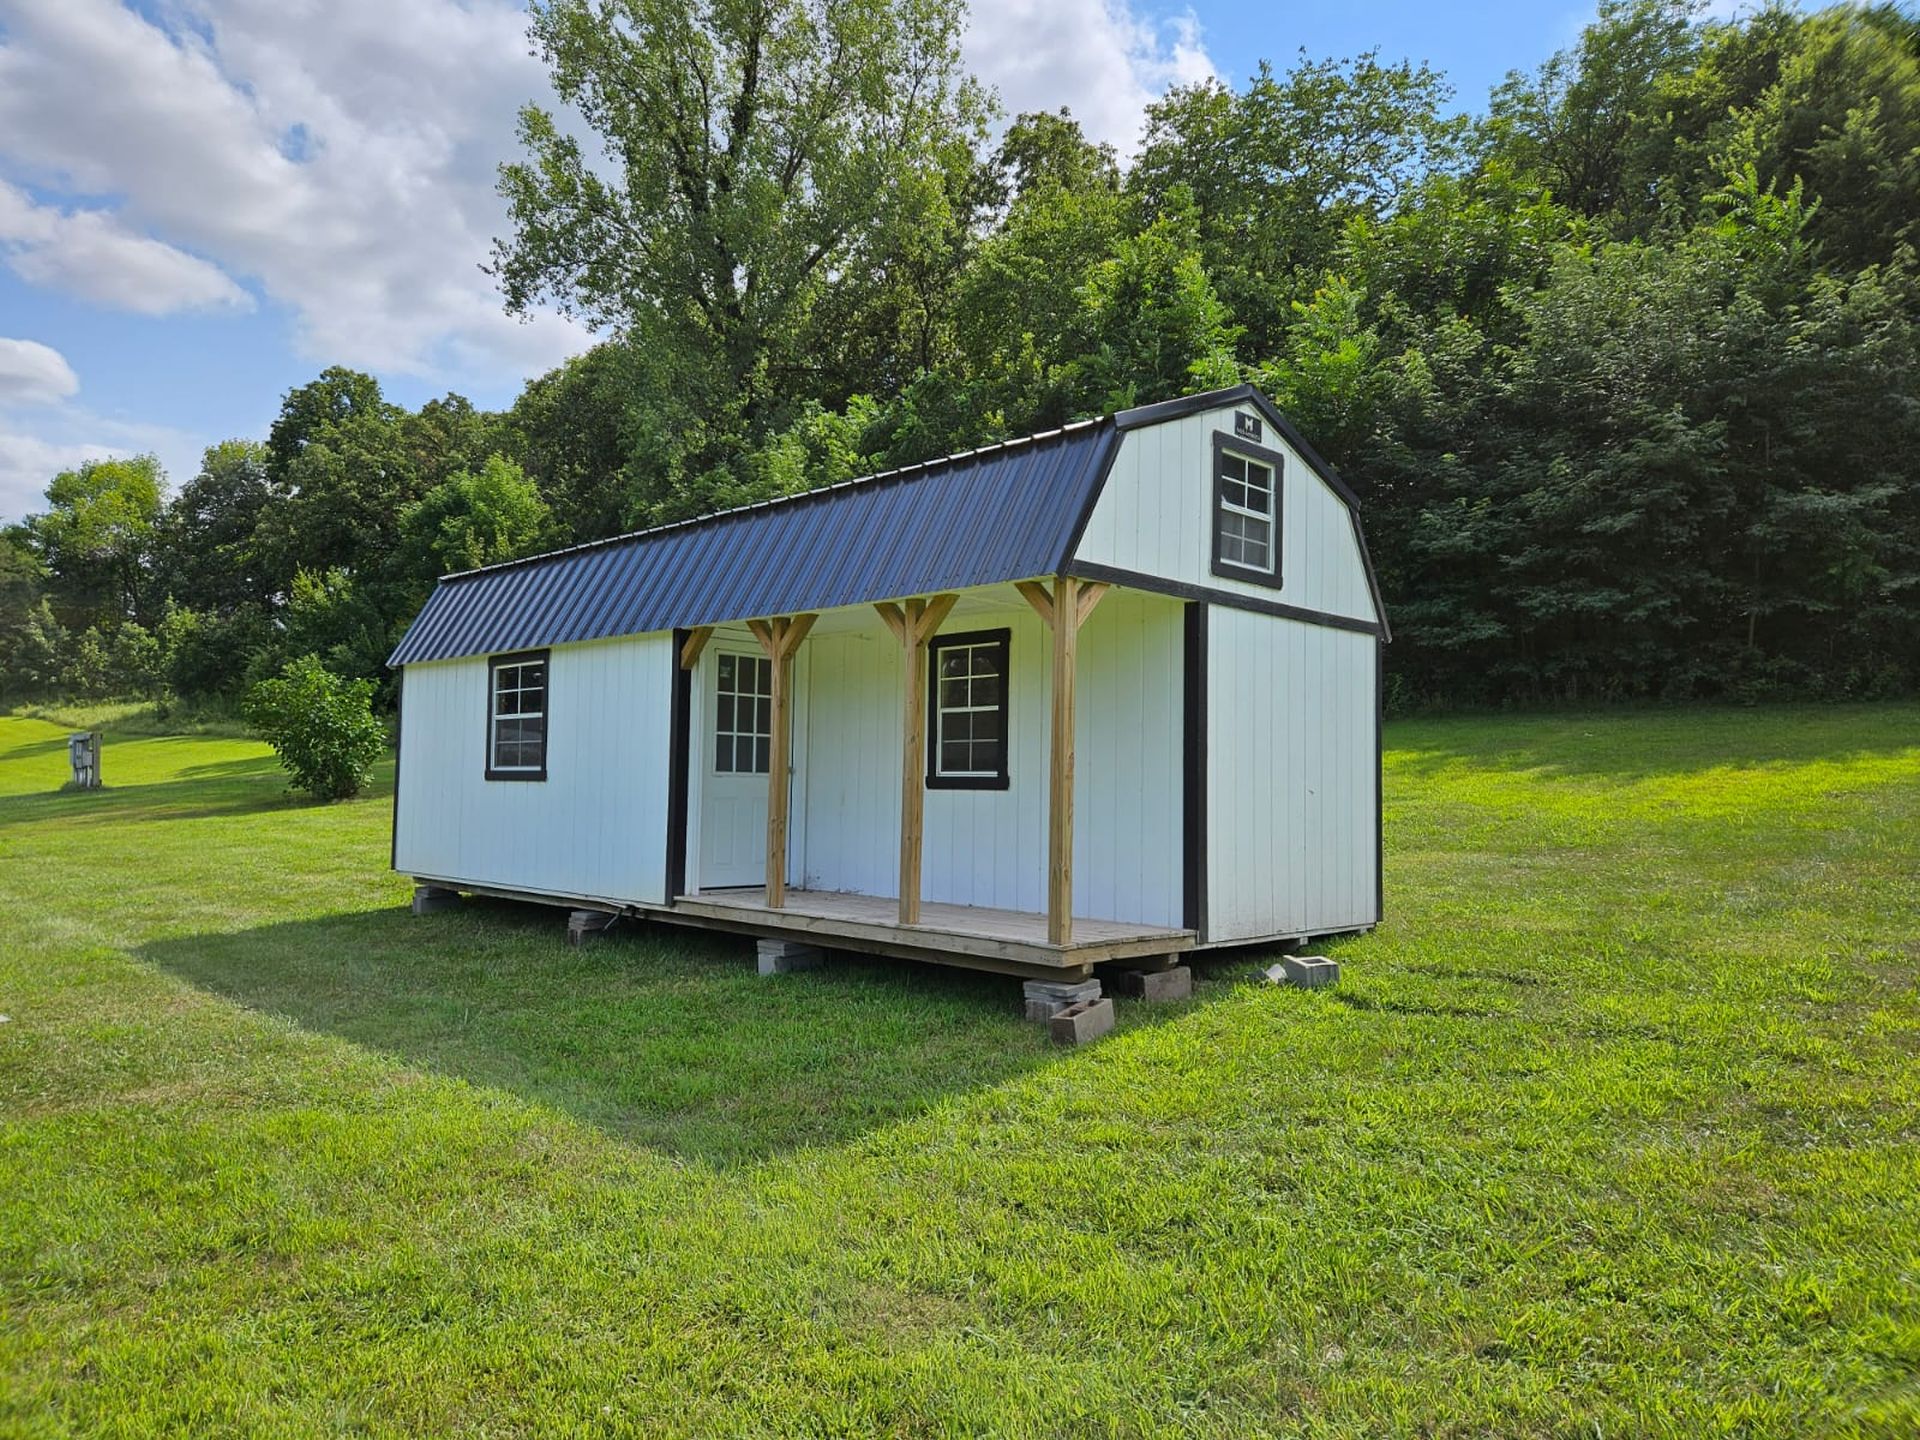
(743,714)
(1246,502)
(967,709)
(517,716)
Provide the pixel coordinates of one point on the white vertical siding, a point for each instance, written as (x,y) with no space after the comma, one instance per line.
(1155,517)
(989,847)
(595,828)
(1292,778)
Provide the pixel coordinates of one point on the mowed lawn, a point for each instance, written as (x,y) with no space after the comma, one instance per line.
(1613,1129)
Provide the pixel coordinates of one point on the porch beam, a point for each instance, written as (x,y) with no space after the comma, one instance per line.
(1037,596)
(917,623)
(1092,592)
(1064,610)
(1066,635)
(780,637)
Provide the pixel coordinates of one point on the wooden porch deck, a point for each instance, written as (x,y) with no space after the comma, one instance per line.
(1012,941)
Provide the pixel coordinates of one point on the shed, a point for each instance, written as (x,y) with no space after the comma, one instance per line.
(1108,691)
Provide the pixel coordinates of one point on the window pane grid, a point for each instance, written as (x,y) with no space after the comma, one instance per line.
(743,715)
(1245,521)
(969,701)
(519,719)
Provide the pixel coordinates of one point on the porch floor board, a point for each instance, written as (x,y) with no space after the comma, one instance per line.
(1013,940)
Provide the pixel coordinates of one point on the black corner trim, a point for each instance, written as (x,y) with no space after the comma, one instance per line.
(1193,776)
(399,737)
(679,726)
(936,781)
(1092,498)
(1379,781)
(521,657)
(1232,599)
(1224,445)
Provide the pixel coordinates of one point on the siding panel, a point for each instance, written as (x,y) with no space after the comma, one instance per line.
(1155,517)
(989,847)
(1292,786)
(595,828)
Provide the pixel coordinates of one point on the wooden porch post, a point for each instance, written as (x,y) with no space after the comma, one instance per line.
(1065,610)
(914,626)
(779,637)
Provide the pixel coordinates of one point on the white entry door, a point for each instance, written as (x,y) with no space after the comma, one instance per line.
(739,741)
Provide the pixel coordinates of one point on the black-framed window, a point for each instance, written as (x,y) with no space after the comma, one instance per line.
(967,710)
(1246,511)
(517,716)
(742,714)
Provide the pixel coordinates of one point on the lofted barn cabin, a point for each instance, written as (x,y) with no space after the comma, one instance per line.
(1110,692)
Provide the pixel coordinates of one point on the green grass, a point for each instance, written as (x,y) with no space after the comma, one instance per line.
(1612,1129)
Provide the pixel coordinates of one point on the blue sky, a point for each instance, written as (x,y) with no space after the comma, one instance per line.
(204,202)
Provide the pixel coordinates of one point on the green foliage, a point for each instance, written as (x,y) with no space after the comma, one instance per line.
(761,157)
(474,518)
(205,541)
(210,656)
(92,539)
(1278,169)
(1624,374)
(321,726)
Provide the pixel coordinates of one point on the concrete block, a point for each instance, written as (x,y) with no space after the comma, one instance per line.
(1081,1022)
(1309,972)
(429,898)
(1156,986)
(779,957)
(585,925)
(1047,998)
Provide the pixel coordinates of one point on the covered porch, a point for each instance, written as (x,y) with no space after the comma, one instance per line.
(819,863)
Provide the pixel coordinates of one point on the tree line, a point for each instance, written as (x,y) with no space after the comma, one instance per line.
(1625,370)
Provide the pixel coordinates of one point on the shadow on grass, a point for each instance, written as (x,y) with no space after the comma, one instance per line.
(657,1034)
(1648,744)
(226,788)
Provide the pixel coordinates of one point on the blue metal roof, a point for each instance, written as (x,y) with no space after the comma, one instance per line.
(1006,512)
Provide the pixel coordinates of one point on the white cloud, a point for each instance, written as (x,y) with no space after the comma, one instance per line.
(27,463)
(34,374)
(91,254)
(1103,59)
(339,156)
(37,445)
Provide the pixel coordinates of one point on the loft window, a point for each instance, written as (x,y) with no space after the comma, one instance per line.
(1246,511)
(743,714)
(967,702)
(517,716)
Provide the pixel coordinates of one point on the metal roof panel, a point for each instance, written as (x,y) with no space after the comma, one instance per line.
(1005,512)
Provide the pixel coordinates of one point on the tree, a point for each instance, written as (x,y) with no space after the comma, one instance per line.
(754,148)
(1278,170)
(309,411)
(473,518)
(93,537)
(1043,148)
(27,659)
(205,542)
(1573,125)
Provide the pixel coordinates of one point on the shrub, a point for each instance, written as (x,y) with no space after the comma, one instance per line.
(322,726)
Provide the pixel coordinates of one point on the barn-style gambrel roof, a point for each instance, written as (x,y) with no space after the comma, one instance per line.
(1004,512)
